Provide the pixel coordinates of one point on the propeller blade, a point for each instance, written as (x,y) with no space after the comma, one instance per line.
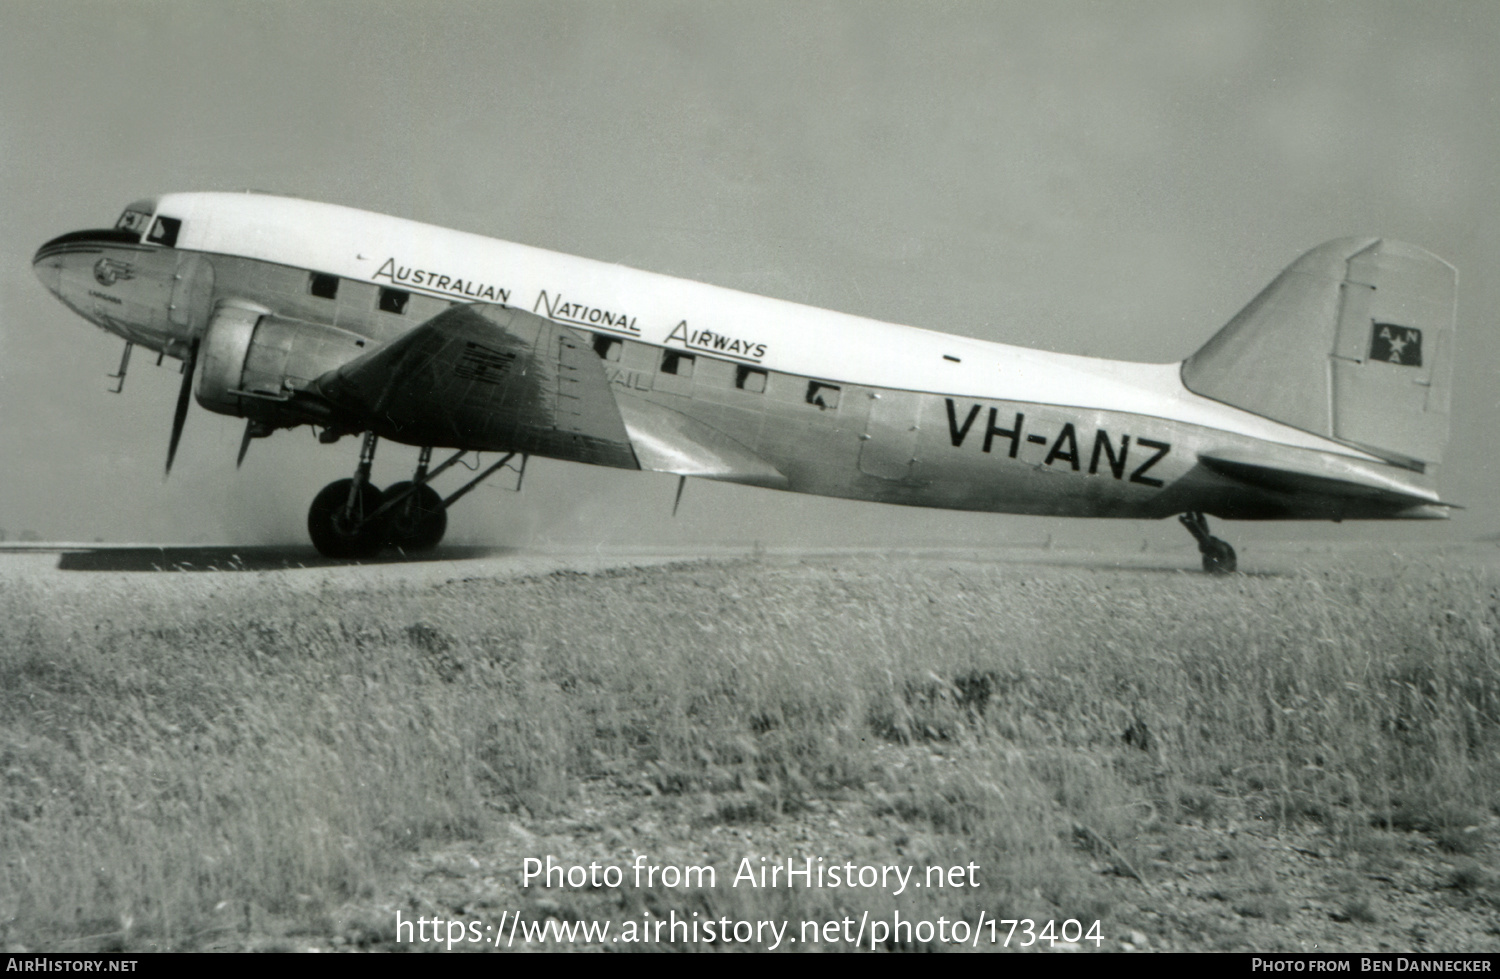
(681,482)
(245,443)
(183,394)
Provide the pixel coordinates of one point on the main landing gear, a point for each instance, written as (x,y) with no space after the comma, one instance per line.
(1218,556)
(352,519)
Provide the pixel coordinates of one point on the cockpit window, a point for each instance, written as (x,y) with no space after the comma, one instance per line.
(132,220)
(164,231)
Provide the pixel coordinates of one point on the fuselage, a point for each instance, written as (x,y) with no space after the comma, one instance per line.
(840,405)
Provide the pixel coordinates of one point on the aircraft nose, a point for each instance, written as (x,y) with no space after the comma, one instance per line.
(48,268)
(76,246)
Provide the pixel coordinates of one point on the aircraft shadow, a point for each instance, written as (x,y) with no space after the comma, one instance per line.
(281,557)
(260,558)
(1153,569)
(1134,563)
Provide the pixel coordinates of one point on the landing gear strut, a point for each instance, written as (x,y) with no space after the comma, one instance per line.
(1218,556)
(340,521)
(351,519)
(417,518)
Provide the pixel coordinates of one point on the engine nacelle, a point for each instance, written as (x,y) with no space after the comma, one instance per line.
(253,362)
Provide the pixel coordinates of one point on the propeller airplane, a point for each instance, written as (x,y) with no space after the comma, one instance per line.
(1326,398)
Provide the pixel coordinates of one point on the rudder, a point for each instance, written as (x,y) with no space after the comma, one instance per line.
(1353,341)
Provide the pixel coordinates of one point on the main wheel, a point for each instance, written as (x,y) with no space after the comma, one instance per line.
(1218,557)
(337,533)
(418,522)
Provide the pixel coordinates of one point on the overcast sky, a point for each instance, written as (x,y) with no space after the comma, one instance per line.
(1099,178)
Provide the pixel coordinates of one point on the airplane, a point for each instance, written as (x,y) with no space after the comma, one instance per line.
(1326,398)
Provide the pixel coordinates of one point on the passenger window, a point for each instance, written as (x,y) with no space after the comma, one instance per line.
(825,396)
(673,362)
(391,300)
(607,347)
(324,286)
(750,379)
(164,232)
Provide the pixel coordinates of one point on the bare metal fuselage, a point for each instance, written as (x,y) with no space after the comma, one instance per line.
(838,407)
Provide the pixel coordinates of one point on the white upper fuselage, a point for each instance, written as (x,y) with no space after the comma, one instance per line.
(676,313)
(310,313)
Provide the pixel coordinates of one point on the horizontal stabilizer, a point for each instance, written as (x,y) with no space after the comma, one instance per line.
(671,442)
(1303,472)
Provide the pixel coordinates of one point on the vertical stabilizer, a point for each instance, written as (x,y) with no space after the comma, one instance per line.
(1354,341)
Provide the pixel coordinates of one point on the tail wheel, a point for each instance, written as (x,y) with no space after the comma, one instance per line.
(418,522)
(339,531)
(1218,557)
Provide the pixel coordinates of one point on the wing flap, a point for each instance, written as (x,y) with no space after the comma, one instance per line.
(669,441)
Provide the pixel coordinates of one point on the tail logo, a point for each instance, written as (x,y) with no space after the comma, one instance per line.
(1392,344)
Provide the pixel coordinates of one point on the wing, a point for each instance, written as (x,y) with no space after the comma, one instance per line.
(492,378)
(485,378)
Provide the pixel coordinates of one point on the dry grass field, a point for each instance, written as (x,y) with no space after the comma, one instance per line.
(1298,760)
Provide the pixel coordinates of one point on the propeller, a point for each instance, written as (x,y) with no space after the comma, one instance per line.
(245,443)
(184,393)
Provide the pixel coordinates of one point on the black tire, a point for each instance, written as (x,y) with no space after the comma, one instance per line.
(1218,557)
(418,522)
(337,536)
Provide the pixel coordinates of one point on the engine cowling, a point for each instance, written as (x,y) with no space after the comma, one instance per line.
(253,362)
